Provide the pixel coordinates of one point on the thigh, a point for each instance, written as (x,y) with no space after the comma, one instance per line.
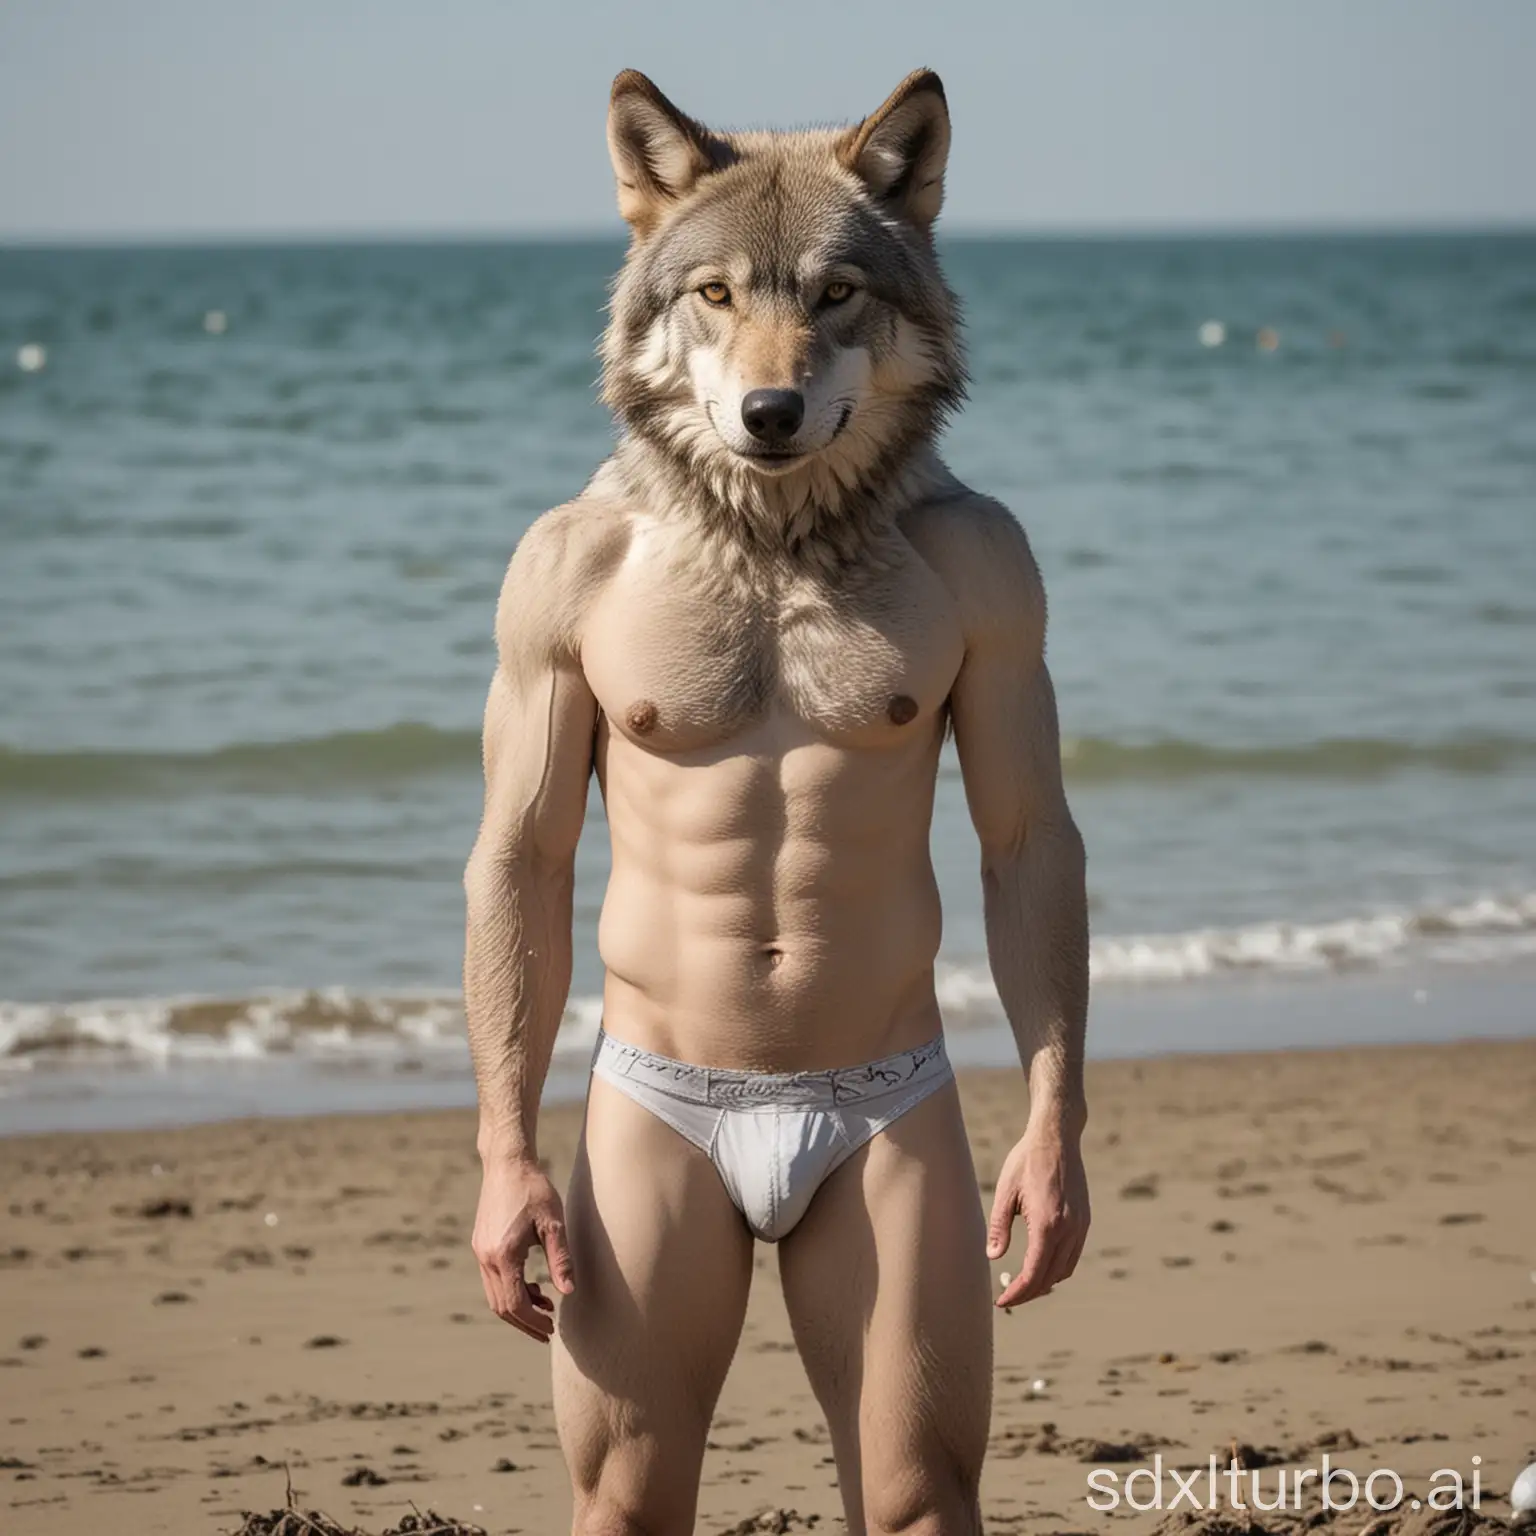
(887,1285)
(663,1262)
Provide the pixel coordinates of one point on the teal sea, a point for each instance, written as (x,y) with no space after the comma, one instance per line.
(255,504)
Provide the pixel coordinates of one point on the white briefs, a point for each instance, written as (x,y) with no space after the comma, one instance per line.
(774,1137)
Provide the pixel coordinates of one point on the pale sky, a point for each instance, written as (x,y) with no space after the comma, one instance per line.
(231,118)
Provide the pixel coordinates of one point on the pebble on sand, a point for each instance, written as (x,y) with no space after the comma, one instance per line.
(32,357)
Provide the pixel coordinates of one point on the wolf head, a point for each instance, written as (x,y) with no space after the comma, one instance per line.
(781,340)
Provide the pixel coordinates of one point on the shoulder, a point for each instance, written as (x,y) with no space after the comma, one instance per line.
(558,568)
(979,550)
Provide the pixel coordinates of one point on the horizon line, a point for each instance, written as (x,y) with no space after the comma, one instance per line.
(587,234)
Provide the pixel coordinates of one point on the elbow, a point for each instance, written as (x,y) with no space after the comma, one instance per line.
(1069,859)
(492,879)
(1074,853)
(1004,845)
(502,874)
(486,865)
(484,884)
(1055,844)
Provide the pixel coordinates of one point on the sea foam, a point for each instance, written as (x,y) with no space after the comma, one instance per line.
(341,1026)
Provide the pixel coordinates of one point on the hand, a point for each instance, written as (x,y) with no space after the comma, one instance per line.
(1043,1179)
(519,1211)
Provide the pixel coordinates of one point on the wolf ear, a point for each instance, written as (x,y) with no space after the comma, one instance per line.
(900,150)
(657,152)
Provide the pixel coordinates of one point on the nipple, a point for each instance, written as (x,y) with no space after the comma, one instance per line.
(901,709)
(642,717)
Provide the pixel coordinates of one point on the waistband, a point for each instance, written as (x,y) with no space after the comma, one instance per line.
(770,1090)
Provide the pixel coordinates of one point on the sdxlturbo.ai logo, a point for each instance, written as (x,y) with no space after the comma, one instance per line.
(1267,1489)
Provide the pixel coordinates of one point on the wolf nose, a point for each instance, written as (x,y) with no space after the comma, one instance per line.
(773,415)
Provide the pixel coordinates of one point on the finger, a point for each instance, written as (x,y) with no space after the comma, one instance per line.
(1040,1277)
(1071,1253)
(495,1291)
(1031,1280)
(1073,1238)
(561,1270)
(510,1300)
(1058,1266)
(1000,1226)
(523,1311)
(491,1286)
(538,1338)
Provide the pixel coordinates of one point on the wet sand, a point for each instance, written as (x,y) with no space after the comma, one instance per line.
(1298,1252)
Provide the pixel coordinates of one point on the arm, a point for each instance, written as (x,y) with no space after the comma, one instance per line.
(1032,870)
(539,724)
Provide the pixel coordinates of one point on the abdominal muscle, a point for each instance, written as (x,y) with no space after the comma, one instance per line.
(771,910)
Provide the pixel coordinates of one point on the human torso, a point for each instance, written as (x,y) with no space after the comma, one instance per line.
(767,747)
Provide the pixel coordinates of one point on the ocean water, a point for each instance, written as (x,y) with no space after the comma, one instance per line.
(256,503)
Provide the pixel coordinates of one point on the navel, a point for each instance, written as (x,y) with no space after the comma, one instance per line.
(901,709)
(642,717)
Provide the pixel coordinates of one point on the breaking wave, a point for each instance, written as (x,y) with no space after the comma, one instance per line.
(1484,929)
(344,1027)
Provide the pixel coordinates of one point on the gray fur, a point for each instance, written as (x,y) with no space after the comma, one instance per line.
(773,214)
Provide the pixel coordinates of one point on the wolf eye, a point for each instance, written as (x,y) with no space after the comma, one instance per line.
(717,294)
(838,292)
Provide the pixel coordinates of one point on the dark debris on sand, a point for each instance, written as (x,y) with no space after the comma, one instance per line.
(1402,1521)
(777,1521)
(292,1522)
(432,1524)
(1249,1458)
(1045,1440)
(159,1210)
(311,1522)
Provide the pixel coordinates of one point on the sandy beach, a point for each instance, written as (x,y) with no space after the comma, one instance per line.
(1297,1253)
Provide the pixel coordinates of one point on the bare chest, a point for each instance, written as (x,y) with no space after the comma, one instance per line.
(682,656)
